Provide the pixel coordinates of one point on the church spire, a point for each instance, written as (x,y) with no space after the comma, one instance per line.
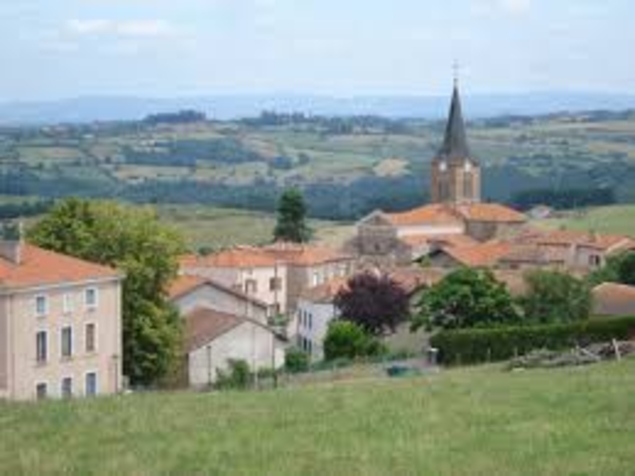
(455,142)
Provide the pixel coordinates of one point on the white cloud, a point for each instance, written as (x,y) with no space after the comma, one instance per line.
(89,27)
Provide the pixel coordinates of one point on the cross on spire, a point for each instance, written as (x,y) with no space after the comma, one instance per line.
(456,70)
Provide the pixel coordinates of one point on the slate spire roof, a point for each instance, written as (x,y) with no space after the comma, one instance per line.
(455,146)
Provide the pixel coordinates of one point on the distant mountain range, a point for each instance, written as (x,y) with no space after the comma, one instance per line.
(88,109)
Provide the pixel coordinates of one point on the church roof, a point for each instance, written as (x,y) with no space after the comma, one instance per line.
(455,146)
(445,214)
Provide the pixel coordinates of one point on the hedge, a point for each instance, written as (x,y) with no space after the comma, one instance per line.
(469,346)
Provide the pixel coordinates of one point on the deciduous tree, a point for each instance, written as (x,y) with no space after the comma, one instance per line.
(135,242)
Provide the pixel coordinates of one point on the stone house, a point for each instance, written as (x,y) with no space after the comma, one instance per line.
(60,325)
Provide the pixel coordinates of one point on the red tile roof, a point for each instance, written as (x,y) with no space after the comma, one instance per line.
(39,267)
(580,238)
(238,257)
(444,214)
(484,254)
(203,325)
(611,299)
(439,240)
(305,255)
(439,214)
(186,283)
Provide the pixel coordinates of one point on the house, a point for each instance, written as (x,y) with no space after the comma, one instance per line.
(60,325)
(612,299)
(191,292)
(478,255)
(316,307)
(274,274)
(214,338)
(309,266)
(222,323)
(456,208)
(250,270)
(575,249)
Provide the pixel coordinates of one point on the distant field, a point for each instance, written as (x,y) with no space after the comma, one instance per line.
(467,422)
(219,228)
(618,219)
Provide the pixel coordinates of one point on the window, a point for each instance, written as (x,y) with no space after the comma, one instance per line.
(40,347)
(41,306)
(67,303)
(40,391)
(316,279)
(595,261)
(67,342)
(91,384)
(275,284)
(251,286)
(91,298)
(90,338)
(310,316)
(67,387)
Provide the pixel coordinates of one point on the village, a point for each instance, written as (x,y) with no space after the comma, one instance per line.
(61,318)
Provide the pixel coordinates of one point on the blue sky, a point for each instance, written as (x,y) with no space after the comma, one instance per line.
(67,48)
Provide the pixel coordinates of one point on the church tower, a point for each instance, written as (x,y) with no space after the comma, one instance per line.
(456,175)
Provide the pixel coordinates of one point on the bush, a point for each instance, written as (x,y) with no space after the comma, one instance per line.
(238,376)
(470,346)
(347,340)
(296,361)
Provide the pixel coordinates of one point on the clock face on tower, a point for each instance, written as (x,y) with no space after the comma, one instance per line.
(468,166)
(443,166)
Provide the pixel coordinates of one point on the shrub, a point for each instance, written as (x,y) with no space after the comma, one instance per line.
(237,377)
(296,361)
(481,345)
(347,340)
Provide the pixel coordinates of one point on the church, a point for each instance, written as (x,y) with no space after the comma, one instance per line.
(456,216)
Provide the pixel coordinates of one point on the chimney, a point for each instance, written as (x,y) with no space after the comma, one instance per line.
(11,242)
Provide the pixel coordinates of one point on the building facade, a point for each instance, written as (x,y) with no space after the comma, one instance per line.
(60,325)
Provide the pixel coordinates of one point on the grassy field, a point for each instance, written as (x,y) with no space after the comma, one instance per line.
(480,421)
(218,227)
(612,219)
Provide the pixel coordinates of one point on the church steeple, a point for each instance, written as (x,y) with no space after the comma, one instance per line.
(455,146)
(456,175)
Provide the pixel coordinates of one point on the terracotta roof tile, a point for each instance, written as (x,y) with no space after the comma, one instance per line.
(204,325)
(611,299)
(305,255)
(439,240)
(580,238)
(436,214)
(492,212)
(187,283)
(484,254)
(40,267)
(238,257)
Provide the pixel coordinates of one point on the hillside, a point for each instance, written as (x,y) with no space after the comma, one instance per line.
(478,421)
(346,166)
(619,219)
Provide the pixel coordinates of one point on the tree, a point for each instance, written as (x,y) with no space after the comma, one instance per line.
(347,340)
(375,302)
(467,297)
(619,268)
(553,296)
(133,241)
(291,225)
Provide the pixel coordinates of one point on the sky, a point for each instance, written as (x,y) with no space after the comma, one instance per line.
(175,48)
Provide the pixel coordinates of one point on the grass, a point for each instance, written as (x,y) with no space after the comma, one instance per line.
(218,227)
(480,421)
(619,219)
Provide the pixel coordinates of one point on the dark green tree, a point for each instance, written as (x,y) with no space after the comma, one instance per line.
(291,225)
(467,297)
(619,268)
(553,296)
(347,340)
(135,242)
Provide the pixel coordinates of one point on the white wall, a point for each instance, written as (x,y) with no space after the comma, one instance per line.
(312,325)
(208,296)
(430,230)
(249,342)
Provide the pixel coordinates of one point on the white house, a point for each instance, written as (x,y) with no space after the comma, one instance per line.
(213,338)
